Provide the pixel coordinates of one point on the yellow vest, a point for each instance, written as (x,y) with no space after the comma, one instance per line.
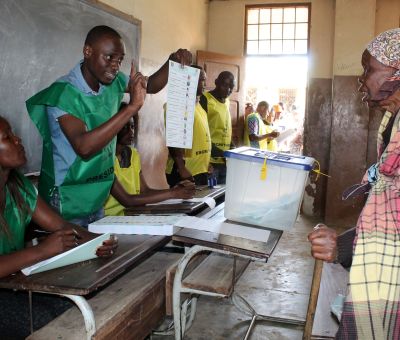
(129,179)
(197,158)
(262,130)
(219,121)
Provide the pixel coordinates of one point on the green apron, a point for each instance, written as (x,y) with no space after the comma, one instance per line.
(15,221)
(88,181)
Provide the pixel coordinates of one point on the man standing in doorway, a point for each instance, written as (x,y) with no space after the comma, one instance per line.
(216,104)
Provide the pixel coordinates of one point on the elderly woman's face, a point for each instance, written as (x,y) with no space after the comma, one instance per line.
(374,76)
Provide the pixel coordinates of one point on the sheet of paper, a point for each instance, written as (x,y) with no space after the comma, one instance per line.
(222,227)
(285,134)
(181,101)
(140,225)
(81,253)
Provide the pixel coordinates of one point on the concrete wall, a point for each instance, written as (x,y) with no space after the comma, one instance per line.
(166,26)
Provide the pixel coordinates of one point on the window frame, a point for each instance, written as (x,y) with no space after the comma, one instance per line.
(271,6)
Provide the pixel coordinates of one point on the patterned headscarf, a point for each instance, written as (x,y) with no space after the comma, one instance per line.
(386,49)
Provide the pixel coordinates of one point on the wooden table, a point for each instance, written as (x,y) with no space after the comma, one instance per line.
(255,250)
(202,241)
(190,208)
(83,278)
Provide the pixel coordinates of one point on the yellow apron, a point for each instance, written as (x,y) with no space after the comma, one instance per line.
(129,179)
(219,121)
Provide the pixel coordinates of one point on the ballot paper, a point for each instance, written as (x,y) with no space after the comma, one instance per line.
(181,101)
(140,224)
(84,252)
(224,228)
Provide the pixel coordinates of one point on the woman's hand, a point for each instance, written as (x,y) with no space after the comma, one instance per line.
(58,242)
(323,243)
(108,248)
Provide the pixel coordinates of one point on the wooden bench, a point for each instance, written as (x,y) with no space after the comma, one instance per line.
(216,274)
(129,308)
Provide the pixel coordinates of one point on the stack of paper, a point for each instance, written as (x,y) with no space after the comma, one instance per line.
(140,224)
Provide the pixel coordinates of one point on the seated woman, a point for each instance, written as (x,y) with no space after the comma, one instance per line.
(19,205)
(130,188)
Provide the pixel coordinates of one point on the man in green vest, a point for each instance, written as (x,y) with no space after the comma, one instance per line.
(216,104)
(78,117)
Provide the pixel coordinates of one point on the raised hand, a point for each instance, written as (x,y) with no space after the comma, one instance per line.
(182,56)
(137,88)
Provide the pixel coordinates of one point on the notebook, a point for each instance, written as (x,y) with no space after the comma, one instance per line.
(140,224)
(84,252)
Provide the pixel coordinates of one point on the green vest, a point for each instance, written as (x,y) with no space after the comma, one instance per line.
(16,224)
(88,181)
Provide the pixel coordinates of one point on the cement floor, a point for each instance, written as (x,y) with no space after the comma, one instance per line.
(280,287)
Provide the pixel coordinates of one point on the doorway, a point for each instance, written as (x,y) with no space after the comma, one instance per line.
(280,80)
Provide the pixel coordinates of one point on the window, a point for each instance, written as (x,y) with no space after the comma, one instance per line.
(273,30)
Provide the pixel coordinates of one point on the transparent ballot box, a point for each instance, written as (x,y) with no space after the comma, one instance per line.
(265,188)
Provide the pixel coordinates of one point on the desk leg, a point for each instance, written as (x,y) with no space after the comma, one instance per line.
(87,313)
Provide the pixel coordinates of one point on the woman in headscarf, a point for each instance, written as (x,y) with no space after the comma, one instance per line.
(371,309)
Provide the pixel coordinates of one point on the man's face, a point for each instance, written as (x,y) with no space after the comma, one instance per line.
(125,136)
(103,59)
(374,76)
(12,153)
(224,86)
(201,86)
(262,110)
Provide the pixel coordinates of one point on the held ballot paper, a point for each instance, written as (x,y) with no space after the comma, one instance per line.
(84,252)
(181,101)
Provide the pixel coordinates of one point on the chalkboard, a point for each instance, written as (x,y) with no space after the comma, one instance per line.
(41,40)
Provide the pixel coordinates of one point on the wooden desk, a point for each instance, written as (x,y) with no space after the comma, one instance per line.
(83,278)
(203,241)
(190,208)
(256,250)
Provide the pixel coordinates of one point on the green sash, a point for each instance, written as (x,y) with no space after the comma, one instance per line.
(15,223)
(88,181)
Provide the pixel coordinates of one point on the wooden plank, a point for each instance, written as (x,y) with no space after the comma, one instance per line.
(190,208)
(70,279)
(170,276)
(129,308)
(217,274)
(312,303)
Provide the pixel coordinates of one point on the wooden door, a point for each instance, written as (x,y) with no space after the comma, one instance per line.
(214,64)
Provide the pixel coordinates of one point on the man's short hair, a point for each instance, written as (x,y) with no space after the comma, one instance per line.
(263,104)
(224,75)
(97,32)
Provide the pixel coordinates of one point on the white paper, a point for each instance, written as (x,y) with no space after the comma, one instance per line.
(84,252)
(140,225)
(224,228)
(181,101)
(285,135)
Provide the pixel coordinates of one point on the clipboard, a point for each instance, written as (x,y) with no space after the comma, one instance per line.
(84,252)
